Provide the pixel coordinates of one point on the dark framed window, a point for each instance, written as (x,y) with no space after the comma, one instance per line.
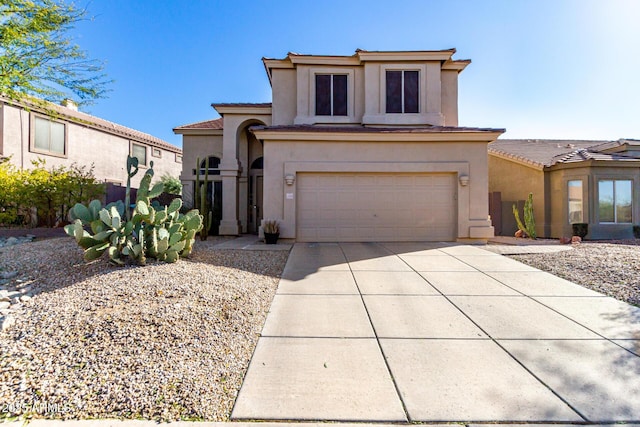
(331,94)
(403,91)
(213,166)
(615,201)
(49,136)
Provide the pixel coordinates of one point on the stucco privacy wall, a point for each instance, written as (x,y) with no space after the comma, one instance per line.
(515,181)
(461,158)
(86,146)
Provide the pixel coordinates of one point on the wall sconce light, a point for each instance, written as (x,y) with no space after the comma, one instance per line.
(289,179)
(464,180)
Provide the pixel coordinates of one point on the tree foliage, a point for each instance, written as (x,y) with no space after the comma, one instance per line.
(38,58)
(52,192)
(172,184)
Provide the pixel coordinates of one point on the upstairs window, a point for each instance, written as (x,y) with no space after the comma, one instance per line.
(213,166)
(49,136)
(331,94)
(403,89)
(140,152)
(615,201)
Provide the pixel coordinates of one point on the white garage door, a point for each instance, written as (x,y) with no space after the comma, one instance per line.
(376,207)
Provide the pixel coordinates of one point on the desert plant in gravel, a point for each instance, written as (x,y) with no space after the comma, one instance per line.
(529,226)
(163,233)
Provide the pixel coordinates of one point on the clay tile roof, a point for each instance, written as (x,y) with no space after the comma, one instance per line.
(542,152)
(97,123)
(216,124)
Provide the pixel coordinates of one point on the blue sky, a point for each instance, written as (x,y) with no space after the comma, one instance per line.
(541,69)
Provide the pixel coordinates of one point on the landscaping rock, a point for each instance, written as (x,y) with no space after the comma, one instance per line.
(7,322)
(5,304)
(8,274)
(576,239)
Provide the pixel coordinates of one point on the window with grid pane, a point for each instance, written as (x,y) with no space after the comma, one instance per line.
(49,136)
(403,91)
(331,94)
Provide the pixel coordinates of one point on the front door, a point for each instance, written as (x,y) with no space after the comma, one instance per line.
(255,203)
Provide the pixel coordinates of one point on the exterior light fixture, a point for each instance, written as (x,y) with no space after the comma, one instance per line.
(289,179)
(464,180)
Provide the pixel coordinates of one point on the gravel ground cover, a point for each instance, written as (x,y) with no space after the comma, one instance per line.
(162,342)
(612,268)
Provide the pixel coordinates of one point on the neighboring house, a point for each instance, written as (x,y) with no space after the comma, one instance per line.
(63,136)
(593,182)
(364,147)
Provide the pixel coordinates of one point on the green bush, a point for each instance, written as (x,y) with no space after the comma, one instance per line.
(172,185)
(51,192)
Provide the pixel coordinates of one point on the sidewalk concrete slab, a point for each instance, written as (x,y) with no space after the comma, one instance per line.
(317,316)
(541,283)
(435,263)
(393,283)
(460,381)
(596,377)
(416,248)
(466,283)
(322,282)
(395,316)
(466,250)
(309,258)
(607,316)
(519,317)
(494,263)
(318,379)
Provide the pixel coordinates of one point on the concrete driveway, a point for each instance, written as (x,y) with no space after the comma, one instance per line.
(439,333)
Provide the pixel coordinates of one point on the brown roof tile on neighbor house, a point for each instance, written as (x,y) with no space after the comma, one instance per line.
(216,124)
(540,152)
(88,120)
(371,129)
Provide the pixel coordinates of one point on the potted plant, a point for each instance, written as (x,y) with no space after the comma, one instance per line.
(580,229)
(271,230)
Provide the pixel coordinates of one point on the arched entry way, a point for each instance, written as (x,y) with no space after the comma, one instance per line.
(256,175)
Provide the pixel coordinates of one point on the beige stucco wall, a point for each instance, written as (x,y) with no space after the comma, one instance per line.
(515,181)
(293,95)
(284,96)
(85,146)
(461,158)
(194,147)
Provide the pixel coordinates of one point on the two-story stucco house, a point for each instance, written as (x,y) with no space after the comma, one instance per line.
(364,147)
(61,135)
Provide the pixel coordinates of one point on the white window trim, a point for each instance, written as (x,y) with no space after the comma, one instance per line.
(351,111)
(178,158)
(32,137)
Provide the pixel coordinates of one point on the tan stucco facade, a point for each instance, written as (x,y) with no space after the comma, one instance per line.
(515,179)
(295,141)
(86,144)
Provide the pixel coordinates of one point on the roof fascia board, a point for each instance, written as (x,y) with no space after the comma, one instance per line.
(485,137)
(324,60)
(253,110)
(457,65)
(439,55)
(179,131)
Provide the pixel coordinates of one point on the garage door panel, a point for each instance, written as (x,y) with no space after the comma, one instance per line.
(375,207)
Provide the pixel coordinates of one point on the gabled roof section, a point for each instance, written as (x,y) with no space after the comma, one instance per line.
(544,153)
(361,55)
(216,124)
(83,119)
